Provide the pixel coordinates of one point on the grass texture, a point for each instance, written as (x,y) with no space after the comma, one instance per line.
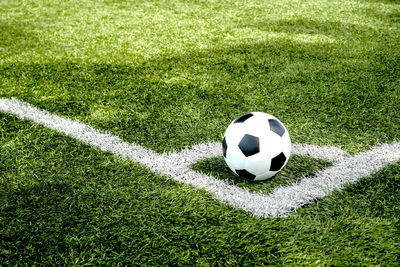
(171,74)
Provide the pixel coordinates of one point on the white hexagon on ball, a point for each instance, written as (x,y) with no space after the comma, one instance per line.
(256,146)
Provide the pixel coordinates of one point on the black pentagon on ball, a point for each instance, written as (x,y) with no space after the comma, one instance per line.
(246,175)
(276,127)
(249,145)
(224,147)
(277,162)
(243,118)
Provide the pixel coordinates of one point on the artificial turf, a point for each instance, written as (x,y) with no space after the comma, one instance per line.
(171,74)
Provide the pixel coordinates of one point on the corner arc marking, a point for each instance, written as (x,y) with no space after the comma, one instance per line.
(346,169)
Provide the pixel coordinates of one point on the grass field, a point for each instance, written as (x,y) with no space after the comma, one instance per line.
(167,75)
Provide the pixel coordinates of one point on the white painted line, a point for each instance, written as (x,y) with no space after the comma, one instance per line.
(82,132)
(346,169)
(329,153)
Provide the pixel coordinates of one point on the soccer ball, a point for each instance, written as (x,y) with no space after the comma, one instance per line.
(256,146)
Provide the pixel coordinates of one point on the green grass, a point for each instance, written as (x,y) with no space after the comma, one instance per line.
(171,74)
(62,202)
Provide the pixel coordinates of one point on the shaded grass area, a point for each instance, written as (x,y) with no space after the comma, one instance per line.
(296,168)
(62,202)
